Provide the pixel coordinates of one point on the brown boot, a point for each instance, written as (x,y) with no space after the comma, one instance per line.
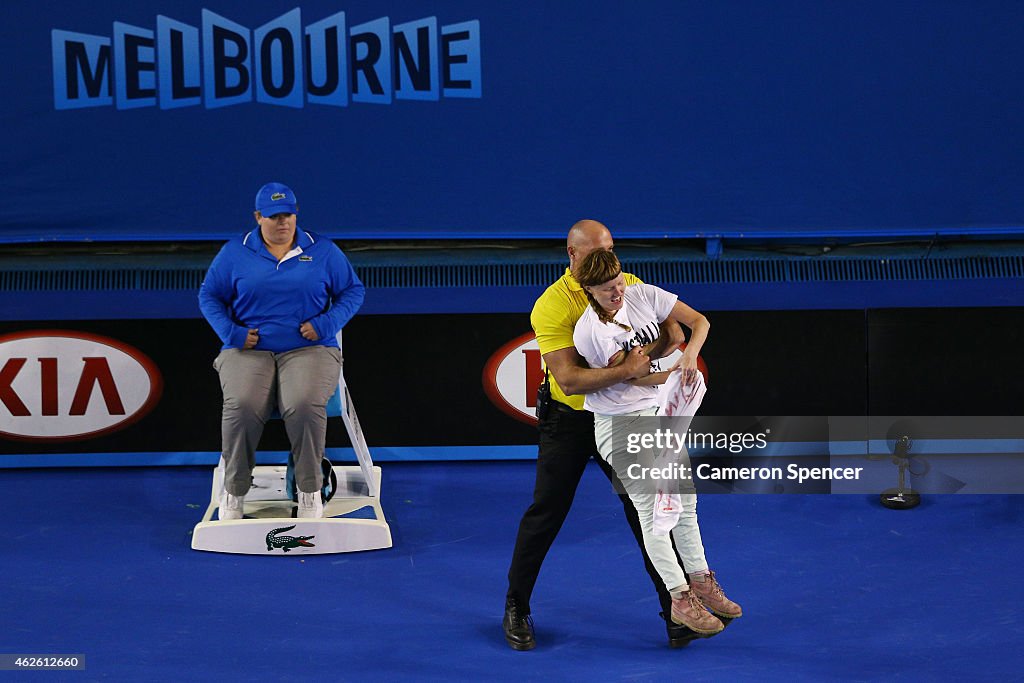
(710,592)
(688,611)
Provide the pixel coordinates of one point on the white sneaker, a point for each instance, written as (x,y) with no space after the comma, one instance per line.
(310,505)
(230,506)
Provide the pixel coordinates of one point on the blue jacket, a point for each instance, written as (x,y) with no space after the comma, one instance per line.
(246,287)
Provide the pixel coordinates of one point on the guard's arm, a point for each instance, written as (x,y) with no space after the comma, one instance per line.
(575,377)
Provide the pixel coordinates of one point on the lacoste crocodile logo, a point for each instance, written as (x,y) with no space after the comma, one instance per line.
(286,543)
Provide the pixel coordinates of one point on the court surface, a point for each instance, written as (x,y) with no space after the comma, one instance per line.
(834,588)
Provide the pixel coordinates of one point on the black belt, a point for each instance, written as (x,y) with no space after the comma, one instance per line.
(562,408)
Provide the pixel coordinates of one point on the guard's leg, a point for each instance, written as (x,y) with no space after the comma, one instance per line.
(566,444)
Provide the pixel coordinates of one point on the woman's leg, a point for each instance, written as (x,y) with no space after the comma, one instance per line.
(306,380)
(247,382)
(687,610)
(687,536)
(609,430)
(691,551)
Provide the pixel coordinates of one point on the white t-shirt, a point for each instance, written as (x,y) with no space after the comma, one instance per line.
(644,307)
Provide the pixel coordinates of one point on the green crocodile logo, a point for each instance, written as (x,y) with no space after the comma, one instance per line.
(286,543)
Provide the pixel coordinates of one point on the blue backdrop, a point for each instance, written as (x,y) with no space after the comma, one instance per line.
(156,120)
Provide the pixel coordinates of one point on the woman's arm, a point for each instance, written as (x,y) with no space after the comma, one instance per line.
(668,341)
(699,327)
(346,292)
(215,296)
(651,380)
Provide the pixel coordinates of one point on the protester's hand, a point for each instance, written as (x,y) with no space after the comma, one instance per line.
(687,364)
(308,332)
(637,363)
(252,338)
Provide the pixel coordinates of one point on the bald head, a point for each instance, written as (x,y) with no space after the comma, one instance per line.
(584,237)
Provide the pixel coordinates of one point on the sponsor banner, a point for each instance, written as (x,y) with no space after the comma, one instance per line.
(459,386)
(447,119)
(284,62)
(133,386)
(416,380)
(513,375)
(441,404)
(60,385)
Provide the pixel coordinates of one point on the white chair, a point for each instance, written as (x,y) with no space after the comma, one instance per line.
(268,527)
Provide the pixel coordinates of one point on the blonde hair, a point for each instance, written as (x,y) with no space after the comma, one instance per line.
(599,267)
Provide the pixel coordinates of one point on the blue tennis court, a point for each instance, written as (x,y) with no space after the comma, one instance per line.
(97,562)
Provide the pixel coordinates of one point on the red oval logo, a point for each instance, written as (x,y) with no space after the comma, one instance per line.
(514,372)
(512,376)
(58,385)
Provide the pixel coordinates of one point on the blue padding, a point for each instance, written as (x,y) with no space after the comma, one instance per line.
(429,453)
(365,512)
(341,456)
(338,456)
(333,406)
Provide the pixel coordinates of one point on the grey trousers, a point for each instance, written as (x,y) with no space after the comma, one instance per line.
(298,383)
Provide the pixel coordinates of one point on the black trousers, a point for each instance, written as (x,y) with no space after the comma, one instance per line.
(566,445)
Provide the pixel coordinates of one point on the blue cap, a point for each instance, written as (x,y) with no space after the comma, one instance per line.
(275,198)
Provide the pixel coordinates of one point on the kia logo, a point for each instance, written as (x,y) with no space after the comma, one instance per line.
(57,385)
(513,375)
(514,372)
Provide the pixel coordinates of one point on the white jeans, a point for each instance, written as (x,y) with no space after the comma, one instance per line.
(609,429)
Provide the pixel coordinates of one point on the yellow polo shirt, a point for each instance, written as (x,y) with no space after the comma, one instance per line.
(554,317)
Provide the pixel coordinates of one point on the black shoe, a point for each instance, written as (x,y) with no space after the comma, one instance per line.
(679,635)
(518,627)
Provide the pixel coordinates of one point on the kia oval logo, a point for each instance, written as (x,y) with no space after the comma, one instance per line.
(513,375)
(58,385)
(514,372)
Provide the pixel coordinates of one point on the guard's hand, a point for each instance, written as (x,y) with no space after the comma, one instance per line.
(637,363)
(308,332)
(252,338)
